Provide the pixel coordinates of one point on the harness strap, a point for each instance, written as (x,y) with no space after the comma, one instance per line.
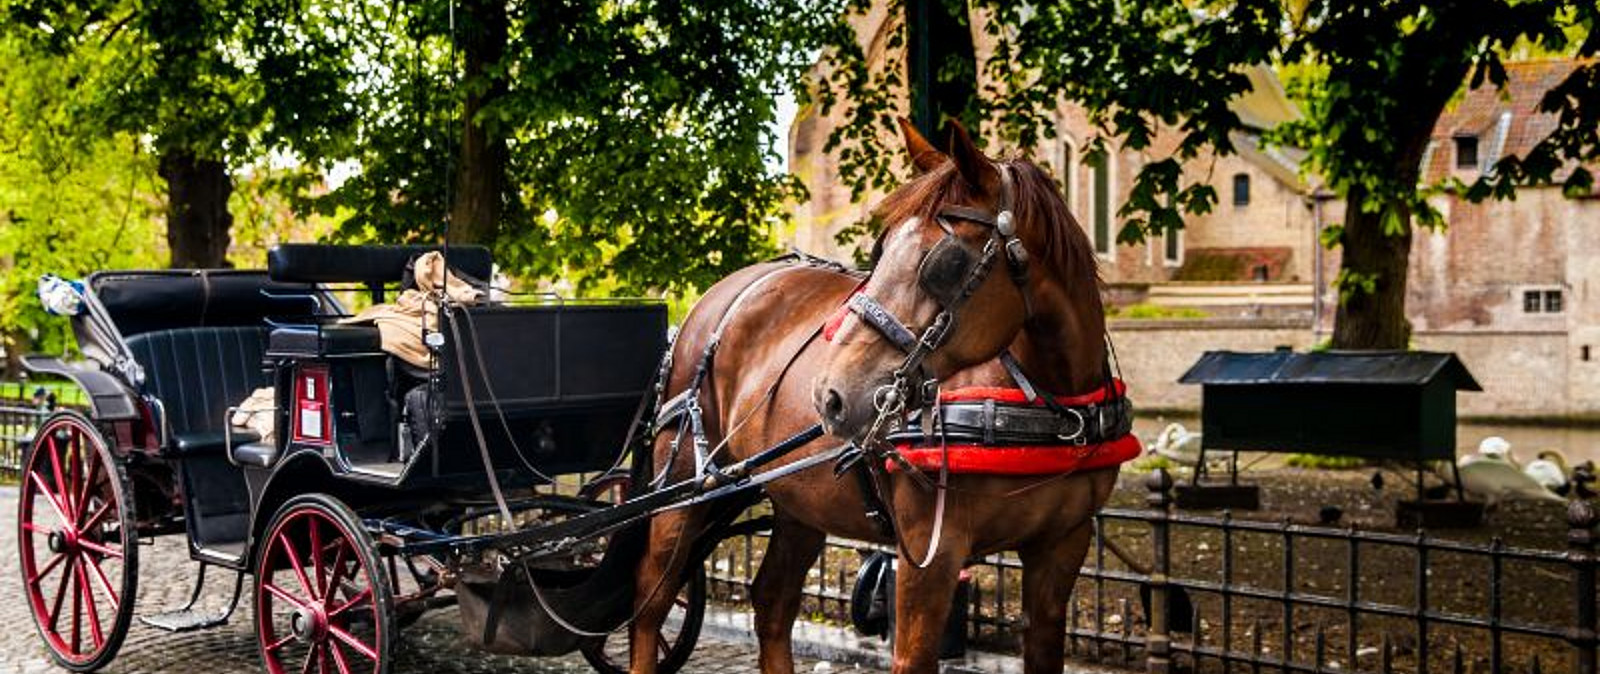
(880,319)
(989,422)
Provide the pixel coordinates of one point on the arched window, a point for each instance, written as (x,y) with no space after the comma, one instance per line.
(1100,203)
(1241,189)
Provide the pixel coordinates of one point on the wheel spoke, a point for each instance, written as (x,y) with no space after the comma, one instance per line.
(279,644)
(99,549)
(294,561)
(311,657)
(662,645)
(351,641)
(55,470)
(316,559)
(94,520)
(105,583)
(338,658)
(360,596)
(49,497)
(283,594)
(77,613)
(335,574)
(85,491)
(93,616)
(39,577)
(61,594)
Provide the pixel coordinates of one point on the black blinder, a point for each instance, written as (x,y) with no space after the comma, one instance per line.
(944,270)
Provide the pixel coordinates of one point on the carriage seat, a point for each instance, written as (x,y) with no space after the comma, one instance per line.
(255,454)
(324,340)
(197,374)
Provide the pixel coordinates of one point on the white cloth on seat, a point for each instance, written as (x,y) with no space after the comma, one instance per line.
(255,414)
(402,323)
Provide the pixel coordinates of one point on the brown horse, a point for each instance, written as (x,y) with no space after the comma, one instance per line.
(772,376)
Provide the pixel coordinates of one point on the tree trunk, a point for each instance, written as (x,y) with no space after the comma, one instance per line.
(1376,319)
(197,210)
(14,344)
(1434,64)
(481,169)
(941,65)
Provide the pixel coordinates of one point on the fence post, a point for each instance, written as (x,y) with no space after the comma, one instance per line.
(1581,539)
(1158,643)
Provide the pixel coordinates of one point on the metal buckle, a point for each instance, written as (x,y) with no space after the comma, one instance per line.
(1076,437)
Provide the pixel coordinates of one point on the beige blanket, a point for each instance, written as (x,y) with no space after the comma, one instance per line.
(402,323)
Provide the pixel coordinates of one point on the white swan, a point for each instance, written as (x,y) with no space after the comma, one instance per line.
(1549,470)
(1492,472)
(1178,445)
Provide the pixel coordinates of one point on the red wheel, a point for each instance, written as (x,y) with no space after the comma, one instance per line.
(675,642)
(323,602)
(80,563)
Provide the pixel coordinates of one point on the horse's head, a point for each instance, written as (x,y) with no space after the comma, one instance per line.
(972,249)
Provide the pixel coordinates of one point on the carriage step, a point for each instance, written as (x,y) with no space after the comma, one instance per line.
(186,620)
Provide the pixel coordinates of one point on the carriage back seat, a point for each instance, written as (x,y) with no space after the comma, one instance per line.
(198,373)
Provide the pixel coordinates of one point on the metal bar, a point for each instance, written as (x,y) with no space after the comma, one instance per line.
(1422,602)
(1333,533)
(1365,607)
(1288,592)
(1581,539)
(1227,590)
(1352,594)
(1496,656)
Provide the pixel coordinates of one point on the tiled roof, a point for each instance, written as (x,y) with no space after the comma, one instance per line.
(1505,122)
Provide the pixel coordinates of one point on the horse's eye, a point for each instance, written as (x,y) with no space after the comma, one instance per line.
(945,269)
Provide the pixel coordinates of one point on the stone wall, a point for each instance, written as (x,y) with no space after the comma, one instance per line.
(1153,354)
(1530,376)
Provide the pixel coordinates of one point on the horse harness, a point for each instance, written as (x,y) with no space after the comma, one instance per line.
(950,272)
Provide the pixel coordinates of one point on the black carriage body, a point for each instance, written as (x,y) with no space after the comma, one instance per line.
(168,353)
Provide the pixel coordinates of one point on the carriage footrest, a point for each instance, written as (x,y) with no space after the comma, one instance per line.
(186,620)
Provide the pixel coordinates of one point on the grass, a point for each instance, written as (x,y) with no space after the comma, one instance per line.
(1143,311)
(1324,462)
(21,392)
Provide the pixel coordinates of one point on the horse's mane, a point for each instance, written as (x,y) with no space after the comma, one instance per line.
(1052,236)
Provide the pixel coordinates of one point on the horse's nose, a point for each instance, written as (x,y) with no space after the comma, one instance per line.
(833,408)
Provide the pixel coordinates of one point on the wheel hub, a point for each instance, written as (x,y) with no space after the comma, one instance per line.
(308,624)
(62,540)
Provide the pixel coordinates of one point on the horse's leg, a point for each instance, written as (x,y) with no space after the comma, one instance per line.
(1049,568)
(778,588)
(922,607)
(660,576)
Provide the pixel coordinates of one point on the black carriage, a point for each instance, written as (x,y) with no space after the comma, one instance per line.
(379,488)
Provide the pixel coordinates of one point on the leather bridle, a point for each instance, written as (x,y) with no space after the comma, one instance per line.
(911,383)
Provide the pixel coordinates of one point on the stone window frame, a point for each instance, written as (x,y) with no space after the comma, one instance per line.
(1542,300)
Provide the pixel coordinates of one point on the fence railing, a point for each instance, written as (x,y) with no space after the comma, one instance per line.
(17,423)
(1223,594)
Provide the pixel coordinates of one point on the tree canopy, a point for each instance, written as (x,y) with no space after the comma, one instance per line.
(636,135)
(1384,71)
(624,147)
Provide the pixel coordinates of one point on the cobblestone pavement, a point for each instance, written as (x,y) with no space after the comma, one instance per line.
(166,576)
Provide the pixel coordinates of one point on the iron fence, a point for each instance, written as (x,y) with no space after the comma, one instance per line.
(17,423)
(1226,594)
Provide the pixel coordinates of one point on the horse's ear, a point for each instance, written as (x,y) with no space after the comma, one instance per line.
(923,155)
(976,168)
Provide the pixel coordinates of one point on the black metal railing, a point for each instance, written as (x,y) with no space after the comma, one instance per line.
(1224,594)
(17,423)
